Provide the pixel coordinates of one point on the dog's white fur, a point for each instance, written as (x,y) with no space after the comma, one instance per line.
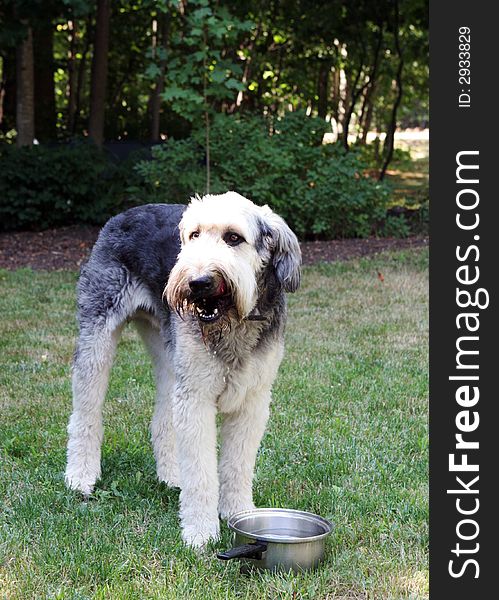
(197,373)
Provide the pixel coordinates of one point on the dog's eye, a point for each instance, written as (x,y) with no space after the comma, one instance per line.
(233,239)
(194,235)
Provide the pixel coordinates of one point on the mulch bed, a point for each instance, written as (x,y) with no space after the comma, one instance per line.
(66,248)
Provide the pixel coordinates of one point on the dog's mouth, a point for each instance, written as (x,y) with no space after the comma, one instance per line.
(210,308)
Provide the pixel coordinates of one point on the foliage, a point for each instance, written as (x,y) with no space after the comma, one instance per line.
(273,53)
(319,189)
(418,216)
(173,175)
(175,66)
(43,186)
(205,75)
(343,202)
(199,71)
(395,226)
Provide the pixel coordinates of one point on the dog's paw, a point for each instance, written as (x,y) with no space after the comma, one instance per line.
(197,536)
(82,482)
(81,477)
(171,482)
(228,506)
(170,476)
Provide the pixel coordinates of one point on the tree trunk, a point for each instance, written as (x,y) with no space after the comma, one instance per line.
(335,96)
(8,90)
(363,108)
(25,104)
(322,89)
(45,113)
(159,86)
(366,125)
(99,73)
(2,96)
(82,69)
(72,77)
(390,135)
(356,92)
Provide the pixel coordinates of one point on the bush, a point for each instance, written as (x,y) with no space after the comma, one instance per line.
(395,226)
(46,186)
(175,172)
(319,189)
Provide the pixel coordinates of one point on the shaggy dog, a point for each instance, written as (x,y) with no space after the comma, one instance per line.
(215,334)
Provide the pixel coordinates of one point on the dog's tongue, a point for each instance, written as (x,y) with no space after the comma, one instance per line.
(221,289)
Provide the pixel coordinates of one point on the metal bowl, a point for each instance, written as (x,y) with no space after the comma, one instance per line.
(277,539)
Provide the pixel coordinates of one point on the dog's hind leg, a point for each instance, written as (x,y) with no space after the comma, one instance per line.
(92,362)
(162,433)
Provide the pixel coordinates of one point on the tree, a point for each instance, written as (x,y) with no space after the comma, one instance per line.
(74,48)
(159,53)
(72,87)
(390,135)
(99,73)
(8,90)
(25,93)
(202,73)
(44,89)
(173,64)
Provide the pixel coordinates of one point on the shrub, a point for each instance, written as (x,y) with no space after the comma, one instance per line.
(340,200)
(175,172)
(46,186)
(319,189)
(395,226)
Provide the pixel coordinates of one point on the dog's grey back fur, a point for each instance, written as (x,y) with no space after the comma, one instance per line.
(136,248)
(145,240)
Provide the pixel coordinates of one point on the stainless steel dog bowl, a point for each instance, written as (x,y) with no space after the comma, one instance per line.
(277,539)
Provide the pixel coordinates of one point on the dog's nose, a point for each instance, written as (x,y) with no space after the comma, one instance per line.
(201,284)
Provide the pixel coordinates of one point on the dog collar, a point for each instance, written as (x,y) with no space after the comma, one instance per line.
(255,315)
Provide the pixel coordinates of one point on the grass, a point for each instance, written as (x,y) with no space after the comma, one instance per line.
(347,439)
(410,178)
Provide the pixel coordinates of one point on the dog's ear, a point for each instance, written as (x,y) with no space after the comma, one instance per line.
(188,220)
(284,248)
(181,232)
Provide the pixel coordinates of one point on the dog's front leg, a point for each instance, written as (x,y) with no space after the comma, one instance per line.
(194,420)
(242,432)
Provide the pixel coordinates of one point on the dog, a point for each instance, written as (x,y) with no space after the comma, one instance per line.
(205,286)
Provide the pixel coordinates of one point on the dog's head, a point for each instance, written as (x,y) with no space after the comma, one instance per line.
(233,254)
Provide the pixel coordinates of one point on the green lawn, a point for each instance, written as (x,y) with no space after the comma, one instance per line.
(410,178)
(347,439)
